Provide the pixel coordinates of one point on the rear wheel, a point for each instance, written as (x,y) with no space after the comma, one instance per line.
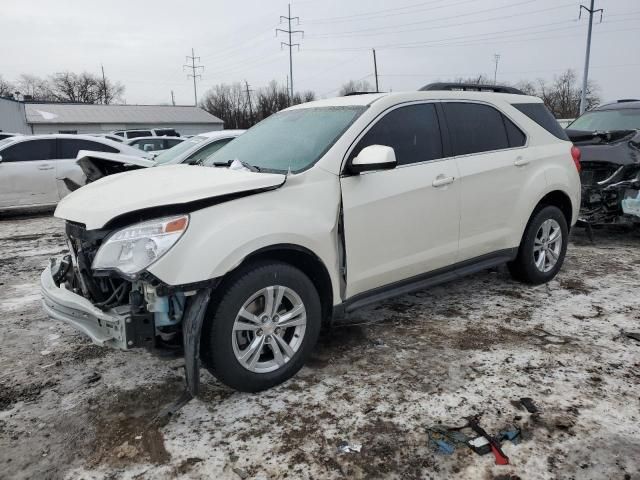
(543,247)
(263,327)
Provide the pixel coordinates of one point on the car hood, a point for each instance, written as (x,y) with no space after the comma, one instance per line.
(140,161)
(620,147)
(158,192)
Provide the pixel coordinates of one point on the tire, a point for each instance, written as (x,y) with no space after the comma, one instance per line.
(227,351)
(528,266)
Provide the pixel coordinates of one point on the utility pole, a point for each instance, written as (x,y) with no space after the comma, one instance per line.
(105,100)
(194,73)
(246,84)
(375,68)
(496,59)
(289,32)
(173,99)
(585,76)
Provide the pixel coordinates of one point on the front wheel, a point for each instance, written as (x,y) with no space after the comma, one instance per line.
(263,327)
(543,247)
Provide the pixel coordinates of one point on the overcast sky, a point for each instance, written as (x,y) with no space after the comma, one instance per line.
(143,43)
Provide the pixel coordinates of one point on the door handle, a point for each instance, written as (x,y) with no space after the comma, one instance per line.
(441,181)
(521,162)
(45,167)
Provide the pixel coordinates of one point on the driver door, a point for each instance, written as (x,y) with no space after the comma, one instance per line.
(403,222)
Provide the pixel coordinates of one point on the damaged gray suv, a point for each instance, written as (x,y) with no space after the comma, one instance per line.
(317,211)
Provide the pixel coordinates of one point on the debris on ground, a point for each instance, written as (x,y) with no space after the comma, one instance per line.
(528,404)
(346,447)
(633,335)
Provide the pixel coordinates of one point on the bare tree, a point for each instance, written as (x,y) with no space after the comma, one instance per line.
(355,86)
(231,104)
(562,95)
(6,88)
(34,87)
(84,88)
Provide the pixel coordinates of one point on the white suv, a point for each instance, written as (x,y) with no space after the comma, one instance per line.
(318,210)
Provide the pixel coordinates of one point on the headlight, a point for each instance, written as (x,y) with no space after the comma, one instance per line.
(134,248)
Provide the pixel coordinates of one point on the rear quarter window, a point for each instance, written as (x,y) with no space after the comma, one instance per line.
(540,114)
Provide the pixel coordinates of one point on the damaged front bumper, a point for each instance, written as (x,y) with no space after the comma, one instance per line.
(116,327)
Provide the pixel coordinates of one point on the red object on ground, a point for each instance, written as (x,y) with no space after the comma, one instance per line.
(501,458)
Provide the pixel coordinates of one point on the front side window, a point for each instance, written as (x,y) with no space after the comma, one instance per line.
(172,142)
(207,150)
(412,131)
(475,128)
(30,150)
(289,140)
(69,148)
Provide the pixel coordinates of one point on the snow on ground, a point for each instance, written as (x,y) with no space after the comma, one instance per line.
(69,409)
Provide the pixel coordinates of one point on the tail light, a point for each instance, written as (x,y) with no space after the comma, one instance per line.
(575,154)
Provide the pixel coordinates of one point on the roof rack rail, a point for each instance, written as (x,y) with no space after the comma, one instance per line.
(358,93)
(623,100)
(471,87)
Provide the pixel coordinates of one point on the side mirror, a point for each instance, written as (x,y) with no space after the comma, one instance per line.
(374,157)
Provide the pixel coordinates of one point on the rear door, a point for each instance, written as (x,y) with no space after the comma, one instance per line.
(27,173)
(492,160)
(403,222)
(66,166)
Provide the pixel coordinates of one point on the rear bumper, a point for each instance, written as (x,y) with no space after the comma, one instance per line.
(104,328)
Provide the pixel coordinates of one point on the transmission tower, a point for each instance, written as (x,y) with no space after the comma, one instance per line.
(583,95)
(194,73)
(290,32)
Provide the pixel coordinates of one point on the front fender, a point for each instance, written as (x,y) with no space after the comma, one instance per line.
(301,213)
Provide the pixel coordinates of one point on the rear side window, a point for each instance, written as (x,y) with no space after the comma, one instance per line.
(139,133)
(475,128)
(69,148)
(539,113)
(30,150)
(412,131)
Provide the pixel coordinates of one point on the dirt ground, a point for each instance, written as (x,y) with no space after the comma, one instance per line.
(69,409)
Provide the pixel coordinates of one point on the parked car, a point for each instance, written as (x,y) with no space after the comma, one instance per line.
(317,211)
(189,151)
(109,136)
(609,140)
(154,144)
(36,170)
(4,135)
(147,132)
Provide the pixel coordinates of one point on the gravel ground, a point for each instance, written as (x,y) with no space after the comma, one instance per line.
(69,409)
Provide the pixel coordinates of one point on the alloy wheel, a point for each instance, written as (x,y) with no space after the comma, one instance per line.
(269,329)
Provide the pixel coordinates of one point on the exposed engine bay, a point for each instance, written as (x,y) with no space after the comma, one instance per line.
(610,176)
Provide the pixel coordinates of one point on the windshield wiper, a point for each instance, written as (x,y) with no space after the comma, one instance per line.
(228,163)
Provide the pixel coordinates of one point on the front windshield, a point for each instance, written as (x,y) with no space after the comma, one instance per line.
(606,120)
(174,152)
(290,140)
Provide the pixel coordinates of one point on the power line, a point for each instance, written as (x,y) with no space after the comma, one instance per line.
(290,32)
(385,13)
(583,95)
(194,69)
(375,30)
